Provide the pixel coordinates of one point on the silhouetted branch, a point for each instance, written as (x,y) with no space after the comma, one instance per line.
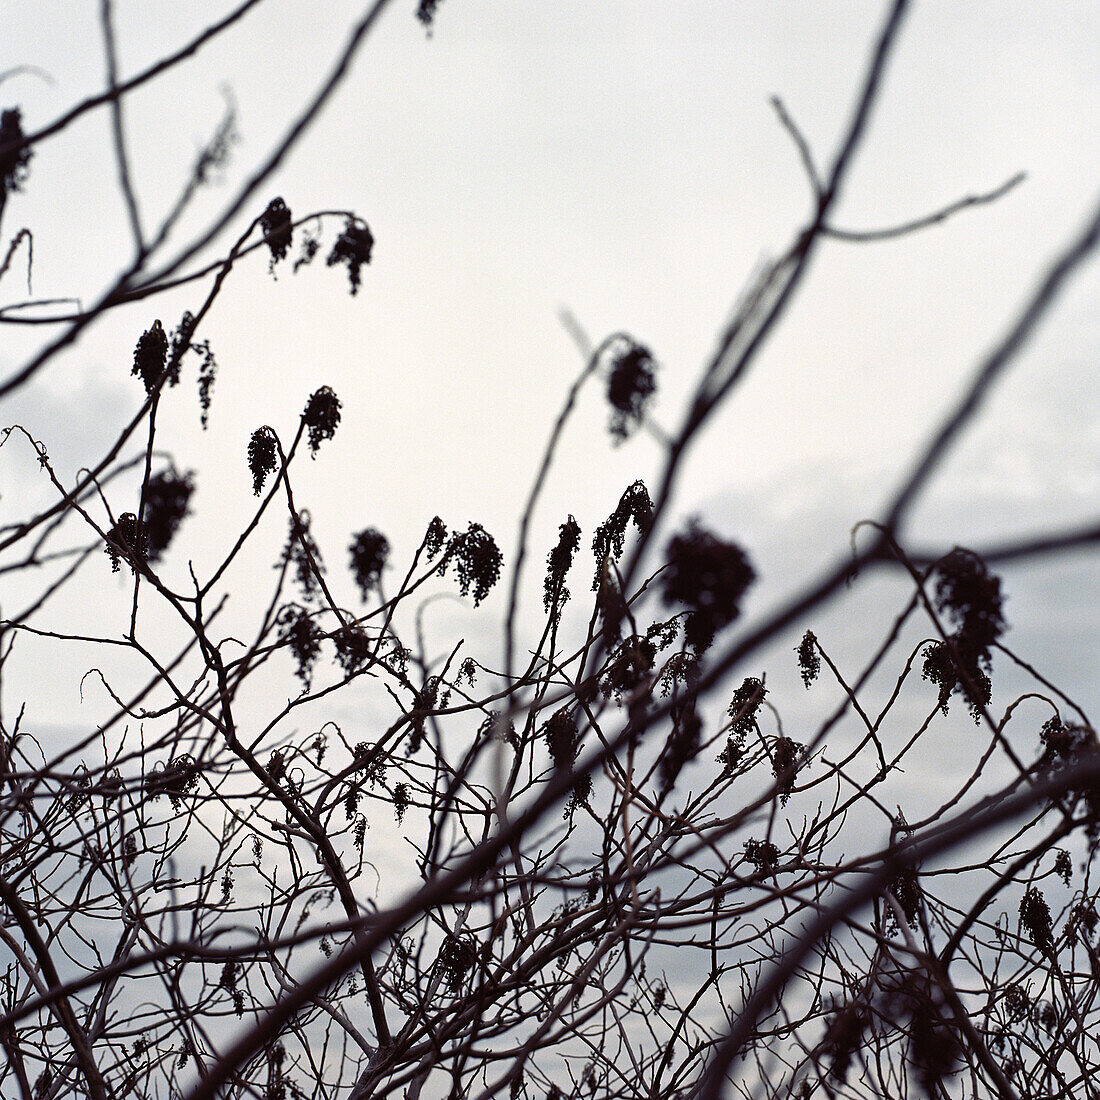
(202,883)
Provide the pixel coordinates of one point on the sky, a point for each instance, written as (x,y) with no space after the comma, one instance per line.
(620,161)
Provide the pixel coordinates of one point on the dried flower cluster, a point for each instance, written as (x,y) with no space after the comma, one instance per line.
(15,158)
(631,385)
(630,666)
(607,543)
(353,648)
(1035,917)
(167,503)
(562,738)
(126,542)
(263,456)
(352,249)
(425,11)
(905,888)
(299,632)
(558,563)
(369,552)
(709,576)
(183,341)
(762,854)
(785,754)
(970,598)
(809,660)
(456,957)
(302,552)
(321,416)
(476,559)
(151,357)
(745,704)
(278,230)
(178,778)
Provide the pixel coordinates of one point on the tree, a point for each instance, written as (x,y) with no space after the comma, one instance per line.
(185,885)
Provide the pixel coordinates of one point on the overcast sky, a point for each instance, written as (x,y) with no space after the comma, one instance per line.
(620,160)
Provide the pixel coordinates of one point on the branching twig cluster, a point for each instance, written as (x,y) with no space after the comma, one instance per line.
(628,879)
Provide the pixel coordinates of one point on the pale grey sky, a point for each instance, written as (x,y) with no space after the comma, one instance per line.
(622,160)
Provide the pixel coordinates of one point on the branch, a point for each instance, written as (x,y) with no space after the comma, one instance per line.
(1017,549)
(914,226)
(129,85)
(965,827)
(996,362)
(125,181)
